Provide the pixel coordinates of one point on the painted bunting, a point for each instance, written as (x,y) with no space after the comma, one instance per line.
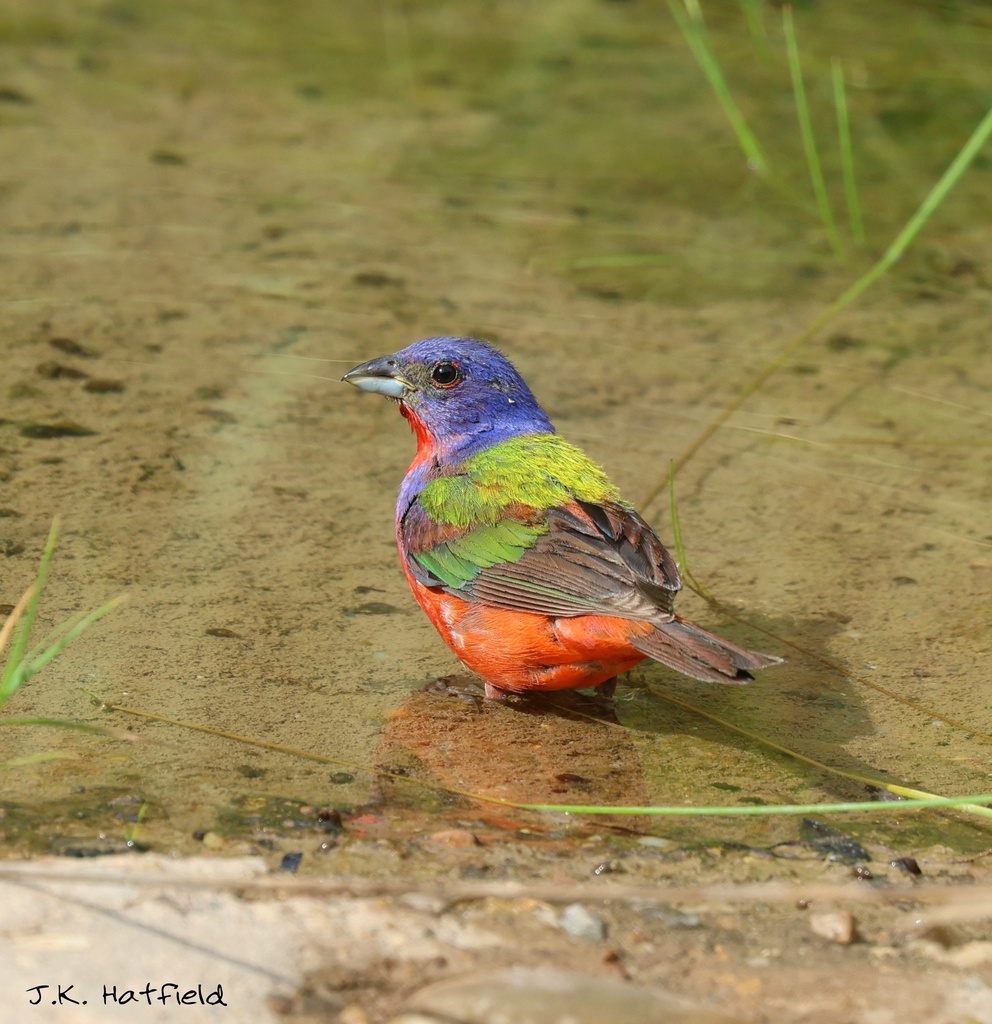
(523,554)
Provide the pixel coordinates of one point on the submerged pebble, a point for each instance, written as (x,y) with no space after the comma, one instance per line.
(835,926)
(581,923)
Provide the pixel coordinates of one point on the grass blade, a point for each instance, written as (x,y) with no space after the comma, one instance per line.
(12,619)
(677,539)
(41,660)
(847,154)
(11,680)
(892,255)
(916,798)
(693,28)
(676,522)
(872,806)
(902,241)
(755,26)
(892,787)
(54,634)
(806,130)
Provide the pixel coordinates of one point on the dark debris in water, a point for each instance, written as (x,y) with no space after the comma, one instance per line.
(10,94)
(103,386)
(373,608)
(290,862)
(907,864)
(831,844)
(167,158)
(59,428)
(100,846)
(377,279)
(9,548)
(881,795)
(84,822)
(266,819)
(51,370)
(72,348)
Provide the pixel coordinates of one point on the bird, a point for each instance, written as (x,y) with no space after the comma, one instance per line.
(522,552)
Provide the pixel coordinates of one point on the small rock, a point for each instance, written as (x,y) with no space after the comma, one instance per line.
(213,841)
(423,903)
(835,926)
(907,864)
(290,862)
(656,842)
(579,922)
(456,838)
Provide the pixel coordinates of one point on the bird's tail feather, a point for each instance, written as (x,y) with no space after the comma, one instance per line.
(701,655)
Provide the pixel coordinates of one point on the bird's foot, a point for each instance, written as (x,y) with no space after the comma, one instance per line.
(463,687)
(494,692)
(605,689)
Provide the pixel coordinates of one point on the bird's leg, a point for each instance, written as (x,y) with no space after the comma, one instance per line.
(465,687)
(605,689)
(494,692)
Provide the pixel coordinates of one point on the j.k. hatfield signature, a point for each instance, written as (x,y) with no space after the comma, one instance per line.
(165,993)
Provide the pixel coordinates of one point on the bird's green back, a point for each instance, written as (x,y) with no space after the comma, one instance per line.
(540,471)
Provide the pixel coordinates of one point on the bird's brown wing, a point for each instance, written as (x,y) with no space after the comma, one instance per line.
(590,560)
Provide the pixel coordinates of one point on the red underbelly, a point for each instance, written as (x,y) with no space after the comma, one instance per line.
(519,651)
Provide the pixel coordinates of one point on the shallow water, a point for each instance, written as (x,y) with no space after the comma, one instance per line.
(226,211)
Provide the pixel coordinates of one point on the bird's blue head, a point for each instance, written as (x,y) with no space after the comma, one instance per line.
(460,394)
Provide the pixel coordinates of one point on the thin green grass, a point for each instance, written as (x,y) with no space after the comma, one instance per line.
(909,799)
(23,662)
(935,197)
(755,25)
(889,258)
(775,810)
(677,538)
(693,27)
(806,132)
(133,828)
(892,254)
(847,154)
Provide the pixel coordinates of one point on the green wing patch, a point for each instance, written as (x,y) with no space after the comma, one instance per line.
(458,561)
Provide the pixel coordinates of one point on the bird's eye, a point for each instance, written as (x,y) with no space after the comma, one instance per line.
(446,375)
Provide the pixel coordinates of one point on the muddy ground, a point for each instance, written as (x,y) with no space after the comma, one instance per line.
(207,217)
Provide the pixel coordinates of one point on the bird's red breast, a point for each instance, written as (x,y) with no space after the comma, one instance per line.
(519,651)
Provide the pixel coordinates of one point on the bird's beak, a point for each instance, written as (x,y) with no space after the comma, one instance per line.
(381,376)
